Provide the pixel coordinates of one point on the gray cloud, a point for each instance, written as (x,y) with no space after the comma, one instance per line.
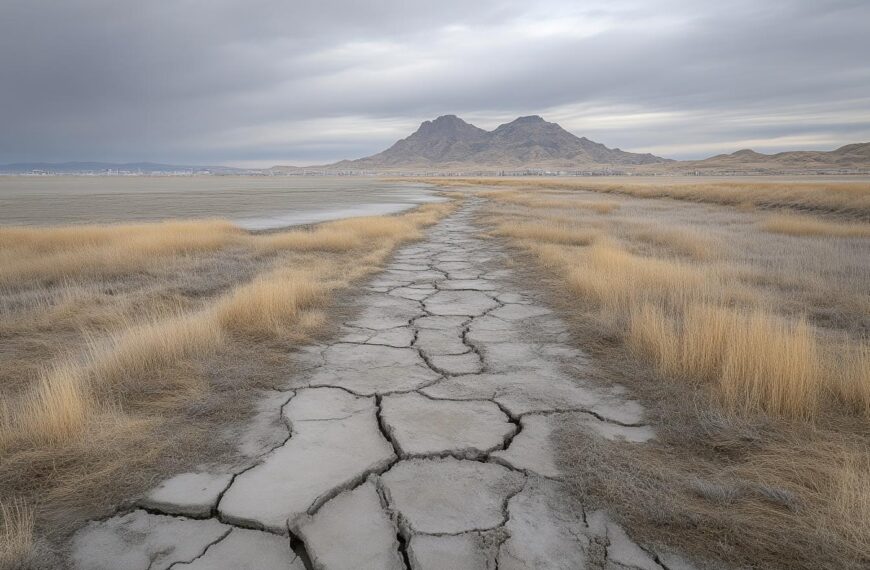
(268,81)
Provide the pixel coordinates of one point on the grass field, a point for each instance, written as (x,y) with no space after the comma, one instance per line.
(744,328)
(127,347)
(846,199)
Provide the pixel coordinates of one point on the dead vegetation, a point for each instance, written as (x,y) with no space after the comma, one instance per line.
(795,225)
(124,346)
(850,199)
(749,348)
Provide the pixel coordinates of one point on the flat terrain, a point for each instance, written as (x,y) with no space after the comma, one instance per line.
(558,374)
(255,202)
(420,435)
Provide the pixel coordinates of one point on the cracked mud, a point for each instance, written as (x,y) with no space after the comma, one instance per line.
(419,439)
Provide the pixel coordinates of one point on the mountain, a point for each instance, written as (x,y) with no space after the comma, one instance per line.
(103,167)
(448,142)
(852,157)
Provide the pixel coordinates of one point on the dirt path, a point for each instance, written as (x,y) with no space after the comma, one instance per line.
(419,438)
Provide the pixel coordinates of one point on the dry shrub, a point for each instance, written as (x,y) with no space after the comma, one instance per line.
(795,225)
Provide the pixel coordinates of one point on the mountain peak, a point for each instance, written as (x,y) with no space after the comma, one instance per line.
(525,142)
(449,126)
(529,119)
(447,119)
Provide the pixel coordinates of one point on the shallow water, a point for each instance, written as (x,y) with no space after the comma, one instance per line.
(252,202)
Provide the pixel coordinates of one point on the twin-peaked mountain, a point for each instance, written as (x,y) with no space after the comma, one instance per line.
(526,142)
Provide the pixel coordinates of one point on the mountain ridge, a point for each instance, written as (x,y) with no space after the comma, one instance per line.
(526,142)
(853,156)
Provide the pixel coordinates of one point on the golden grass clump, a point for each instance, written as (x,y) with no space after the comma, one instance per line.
(55,410)
(16,533)
(852,361)
(271,302)
(618,280)
(757,361)
(797,225)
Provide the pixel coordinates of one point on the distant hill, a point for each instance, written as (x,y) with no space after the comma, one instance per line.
(852,157)
(102,167)
(448,142)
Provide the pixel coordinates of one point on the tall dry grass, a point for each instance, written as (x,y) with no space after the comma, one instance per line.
(16,533)
(53,254)
(751,354)
(695,319)
(795,225)
(758,362)
(118,358)
(66,397)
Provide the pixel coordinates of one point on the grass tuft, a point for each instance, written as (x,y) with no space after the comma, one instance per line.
(797,225)
(16,533)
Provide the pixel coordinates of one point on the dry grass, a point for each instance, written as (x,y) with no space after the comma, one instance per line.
(794,225)
(850,199)
(698,321)
(682,241)
(751,353)
(53,254)
(759,363)
(548,233)
(107,367)
(16,534)
(271,302)
(545,200)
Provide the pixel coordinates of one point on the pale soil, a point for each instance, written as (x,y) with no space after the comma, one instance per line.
(419,436)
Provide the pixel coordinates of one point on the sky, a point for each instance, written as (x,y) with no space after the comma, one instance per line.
(262,82)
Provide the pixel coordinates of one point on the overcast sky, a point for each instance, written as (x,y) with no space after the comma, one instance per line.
(262,82)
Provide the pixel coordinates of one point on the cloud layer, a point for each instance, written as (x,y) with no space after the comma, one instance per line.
(261,82)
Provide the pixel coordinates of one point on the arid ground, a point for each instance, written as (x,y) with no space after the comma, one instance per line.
(545,368)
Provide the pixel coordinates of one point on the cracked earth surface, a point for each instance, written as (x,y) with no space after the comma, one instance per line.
(419,439)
